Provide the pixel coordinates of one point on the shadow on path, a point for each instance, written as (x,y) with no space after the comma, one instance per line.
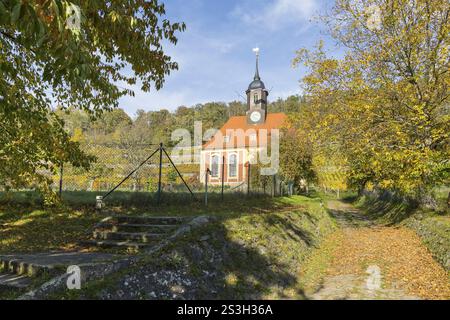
(347,215)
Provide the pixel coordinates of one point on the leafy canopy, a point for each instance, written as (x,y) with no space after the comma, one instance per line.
(71,54)
(385,105)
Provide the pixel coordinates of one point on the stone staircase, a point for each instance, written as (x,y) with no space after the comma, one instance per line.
(17,274)
(132,231)
(11,280)
(19,271)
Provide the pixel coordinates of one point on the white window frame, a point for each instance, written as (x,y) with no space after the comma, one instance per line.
(229,164)
(218,165)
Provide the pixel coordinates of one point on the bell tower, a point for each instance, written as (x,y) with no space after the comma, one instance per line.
(256,97)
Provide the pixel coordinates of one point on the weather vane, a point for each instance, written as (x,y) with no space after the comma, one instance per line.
(256,51)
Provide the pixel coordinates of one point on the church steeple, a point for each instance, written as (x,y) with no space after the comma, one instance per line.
(256,77)
(256,83)
(256,97)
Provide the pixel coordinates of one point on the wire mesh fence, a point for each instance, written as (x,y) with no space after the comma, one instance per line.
(143,175)
(115,162)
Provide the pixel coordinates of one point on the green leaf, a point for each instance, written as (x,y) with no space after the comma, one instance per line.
(41,29)
(41,40)
(55,8)
(2,9)
(16,13)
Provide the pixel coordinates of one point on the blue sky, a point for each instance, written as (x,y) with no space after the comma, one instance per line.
(215,52)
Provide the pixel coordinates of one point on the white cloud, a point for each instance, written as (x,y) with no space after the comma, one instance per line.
(277,13)
(220,45)
(215,60)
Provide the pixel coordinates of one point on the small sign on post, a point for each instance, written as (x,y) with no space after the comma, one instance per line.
(223,175)
(99,205)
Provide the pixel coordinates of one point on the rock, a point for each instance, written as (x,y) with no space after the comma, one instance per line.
(193,224)
(177,289)
(199,221)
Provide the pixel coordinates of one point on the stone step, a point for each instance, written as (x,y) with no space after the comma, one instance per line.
(9,280)
(114,244)
(150,220)
(19,267)
(133,227)
(127,236)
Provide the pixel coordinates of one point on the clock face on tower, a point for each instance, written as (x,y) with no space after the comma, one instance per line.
(255,116)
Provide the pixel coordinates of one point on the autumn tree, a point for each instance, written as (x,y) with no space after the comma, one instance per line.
(237,108)
(73,54)
(386,103)
(292,104)
(109,122)
(296,157)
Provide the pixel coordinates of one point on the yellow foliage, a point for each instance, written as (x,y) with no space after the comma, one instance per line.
(383,109)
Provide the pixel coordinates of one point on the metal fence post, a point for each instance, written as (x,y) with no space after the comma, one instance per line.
(274,185)
(160,172)
(206,186)
(61,171)
(248,180)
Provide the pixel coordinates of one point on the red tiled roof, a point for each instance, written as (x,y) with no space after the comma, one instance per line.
(273,121)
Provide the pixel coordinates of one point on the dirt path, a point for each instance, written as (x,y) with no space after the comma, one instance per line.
(366,261)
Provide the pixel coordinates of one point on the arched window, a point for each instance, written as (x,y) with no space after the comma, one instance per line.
(215,166)
(232,165)
(255,98)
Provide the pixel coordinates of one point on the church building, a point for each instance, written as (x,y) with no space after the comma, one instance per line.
(227,154)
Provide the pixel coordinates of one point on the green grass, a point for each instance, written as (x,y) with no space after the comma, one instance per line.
(133,200)
(36,282)
(28,229)
(315,267)
(262,241)
(435,234)
(254,253)
(441,194)
(28,226)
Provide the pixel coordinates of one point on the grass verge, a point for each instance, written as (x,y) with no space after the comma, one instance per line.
(256,254)
(30,229)
(27,227)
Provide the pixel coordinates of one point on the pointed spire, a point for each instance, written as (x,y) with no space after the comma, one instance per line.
(256,51)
